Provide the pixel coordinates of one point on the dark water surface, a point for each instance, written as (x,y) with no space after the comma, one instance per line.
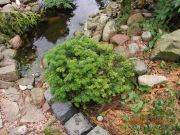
(58,28)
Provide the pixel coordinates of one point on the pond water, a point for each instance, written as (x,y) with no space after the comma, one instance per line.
(57,29)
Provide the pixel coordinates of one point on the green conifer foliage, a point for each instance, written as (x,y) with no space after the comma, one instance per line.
(82,70)
(66,4)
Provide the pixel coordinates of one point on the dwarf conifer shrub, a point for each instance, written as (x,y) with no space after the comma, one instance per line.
(66,4)
(82,70)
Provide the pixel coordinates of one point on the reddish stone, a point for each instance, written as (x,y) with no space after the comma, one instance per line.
(46,107)
(119,39)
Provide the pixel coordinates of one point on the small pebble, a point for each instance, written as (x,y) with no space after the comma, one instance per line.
(37,74)
(29,87)
(22,87)
(124,27)
(146,36)
(100,118)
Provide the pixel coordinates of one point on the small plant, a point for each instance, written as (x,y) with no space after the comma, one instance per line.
(13,23)
(82,71)
(66,4)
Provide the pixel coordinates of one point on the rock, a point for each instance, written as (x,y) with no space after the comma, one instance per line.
(28,8)
(140,67)
(35,8)
(5,85)
(135,38)
(109,30)
(8,8)
(22,130)
(12,94)
(16,42)
(146,36)
(135,18)
(36,74)
(2,47)
(133,48)
(48,96)
(15,6)
(77,125)
(4,2)
(122,50)
(37,95)
(88,33)
(1,56)
(100,118)
(63,111)
(151,80)
(167,47)
(119,39)
(32,114)
(9,53)
(91,25)
(124,27)
(98,131)
(1,122)
(46,107)
(9,73)
(26,81)
(148,15)
(7,62)
(97,36)
(22,87)
(29,87)
(10,110)
(103,19)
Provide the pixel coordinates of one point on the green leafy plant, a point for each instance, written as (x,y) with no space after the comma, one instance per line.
(82,71)
(66,4)
(13,23)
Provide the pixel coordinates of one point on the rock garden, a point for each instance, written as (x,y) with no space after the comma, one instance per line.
(91,67)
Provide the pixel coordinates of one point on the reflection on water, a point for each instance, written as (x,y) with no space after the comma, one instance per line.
(56,30)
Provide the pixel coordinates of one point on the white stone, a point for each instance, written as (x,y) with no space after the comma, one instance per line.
(151,80)
(29,87)
(124,27)
(146,36)
(133,48)
(22,130)
(22,87)
(100,118)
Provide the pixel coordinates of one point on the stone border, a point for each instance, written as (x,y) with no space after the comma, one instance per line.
(75,122)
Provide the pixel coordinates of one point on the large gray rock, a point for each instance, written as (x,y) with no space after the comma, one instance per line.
(48,96)
(77,125)
(167,47)
(98,131)
(63,111)
(10,110)
(3,2)
(140,67)
(12,94)
(5,85)
(151,80)
(32,113)
(109,30)
(9,73)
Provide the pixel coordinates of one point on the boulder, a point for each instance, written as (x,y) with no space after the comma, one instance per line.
(48,96)
(8,8)
(12,94)
(10,110)
(167,47)
(63,111)
(16,42)
(135,18)
(140,67)
(37,95)
(151,80)
(119,39)
(4,2)
(5,85)
(9,53)
(98,131)
(77,125)
(109,30)
(9,73)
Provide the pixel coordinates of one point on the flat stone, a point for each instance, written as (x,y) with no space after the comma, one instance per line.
(26,81)
(77,125)
(9,53)
(3,2)
(140,67)
(135,18)
(1,122)
(63,111)
(32,114)
(5,85)
(98,131)
(9,73)
(12,94)
(37,95)
(10,110)
(46,107)
(21,130)
(48,96)
(133,48)
(8,62)
(119,39)
(151,80)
